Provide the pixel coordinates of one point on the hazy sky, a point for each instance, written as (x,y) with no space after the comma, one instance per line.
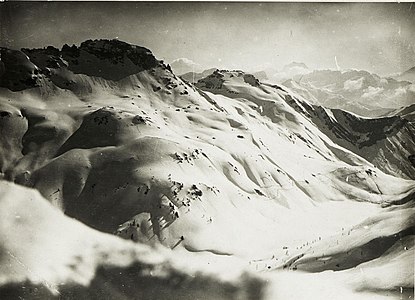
(378,37)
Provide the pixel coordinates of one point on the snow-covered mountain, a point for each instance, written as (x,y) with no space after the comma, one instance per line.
(406,112)
(408,75)
(387,141)
(194,77)
(229,188)
(261,75)
(360,92)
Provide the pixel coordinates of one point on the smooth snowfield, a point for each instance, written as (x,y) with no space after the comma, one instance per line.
(66,259)
(46,255)
(236,177)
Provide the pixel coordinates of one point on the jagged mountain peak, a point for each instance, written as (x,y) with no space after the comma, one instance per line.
(116,51)
(108,59)
(218,77)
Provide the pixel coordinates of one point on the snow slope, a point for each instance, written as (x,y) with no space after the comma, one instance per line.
(387,142)
(46,255)
(229,170)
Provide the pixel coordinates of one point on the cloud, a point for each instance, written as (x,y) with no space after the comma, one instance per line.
(290,71)
(184,65)
(352,85)
(183,60)
(372,91)
(384,82)
(399,92)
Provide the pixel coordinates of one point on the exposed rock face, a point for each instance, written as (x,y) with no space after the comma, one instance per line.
(213,81)
(250,79)
(109,59)
(261,75)
(17,72)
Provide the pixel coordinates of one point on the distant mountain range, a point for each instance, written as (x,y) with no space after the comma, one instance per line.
(287,72)
(360,92)
(357,91)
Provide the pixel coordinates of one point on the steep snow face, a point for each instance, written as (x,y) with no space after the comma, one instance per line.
(359,92)
(387,142)
(229,170)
